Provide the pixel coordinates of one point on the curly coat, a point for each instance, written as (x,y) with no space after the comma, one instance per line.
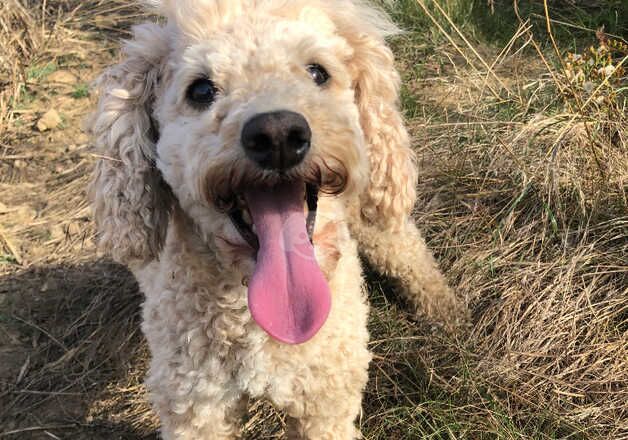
(165,167)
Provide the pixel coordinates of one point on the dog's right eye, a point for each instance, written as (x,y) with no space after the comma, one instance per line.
(201,93)
(318,74)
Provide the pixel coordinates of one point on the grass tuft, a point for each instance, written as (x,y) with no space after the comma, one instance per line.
(80,91)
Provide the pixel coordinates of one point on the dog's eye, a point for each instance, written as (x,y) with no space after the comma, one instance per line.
(318,74)
(201,92)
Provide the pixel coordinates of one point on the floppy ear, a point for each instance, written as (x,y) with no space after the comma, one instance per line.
(391,192)
(131,201)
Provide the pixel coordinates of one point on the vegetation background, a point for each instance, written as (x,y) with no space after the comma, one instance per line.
(518,114)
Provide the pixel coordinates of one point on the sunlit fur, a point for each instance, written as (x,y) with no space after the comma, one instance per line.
(168,171)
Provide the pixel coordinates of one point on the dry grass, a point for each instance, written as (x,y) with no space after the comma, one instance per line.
(35,35)
(523,196)
(525,191)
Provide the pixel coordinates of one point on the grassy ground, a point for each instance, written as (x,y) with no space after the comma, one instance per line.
(521,131)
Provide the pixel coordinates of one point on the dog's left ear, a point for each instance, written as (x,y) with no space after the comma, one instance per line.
(391,192)
(131,201)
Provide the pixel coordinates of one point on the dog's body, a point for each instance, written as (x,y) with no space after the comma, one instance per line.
(241,108)
(209,356)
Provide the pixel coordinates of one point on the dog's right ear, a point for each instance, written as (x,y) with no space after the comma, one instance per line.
(131,201)
(391,193)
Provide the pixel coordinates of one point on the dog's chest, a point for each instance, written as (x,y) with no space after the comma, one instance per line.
(208,327)
(196,318)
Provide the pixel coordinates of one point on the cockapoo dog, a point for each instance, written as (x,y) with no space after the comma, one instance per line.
(247,149)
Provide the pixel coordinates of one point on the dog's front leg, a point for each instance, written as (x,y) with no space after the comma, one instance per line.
(403,255)
(195,398)
(199,416)
(328,403)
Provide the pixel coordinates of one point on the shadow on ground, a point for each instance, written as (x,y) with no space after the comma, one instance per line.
(70,338)
(74,358)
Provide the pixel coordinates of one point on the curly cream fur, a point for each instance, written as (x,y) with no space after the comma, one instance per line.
(166,170)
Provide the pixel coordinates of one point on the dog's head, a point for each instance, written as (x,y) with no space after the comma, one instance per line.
(241,112)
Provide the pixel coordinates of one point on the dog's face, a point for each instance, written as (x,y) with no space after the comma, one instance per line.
(241,113)
(261,101)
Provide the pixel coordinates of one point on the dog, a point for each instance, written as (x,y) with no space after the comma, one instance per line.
(247,151)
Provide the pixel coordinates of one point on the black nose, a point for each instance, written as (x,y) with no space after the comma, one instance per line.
(276,140)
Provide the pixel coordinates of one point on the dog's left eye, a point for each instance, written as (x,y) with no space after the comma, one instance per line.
(201,92)
(318,74)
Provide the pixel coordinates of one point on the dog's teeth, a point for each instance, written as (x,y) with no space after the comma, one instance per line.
(246,216)
(253,229)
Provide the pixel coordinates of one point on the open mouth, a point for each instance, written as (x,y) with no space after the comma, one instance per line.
(288,295)
(240,216)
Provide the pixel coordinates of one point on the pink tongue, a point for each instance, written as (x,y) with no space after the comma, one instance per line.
(288,294)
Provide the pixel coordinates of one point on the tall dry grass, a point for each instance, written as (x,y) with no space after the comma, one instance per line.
(524,190)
